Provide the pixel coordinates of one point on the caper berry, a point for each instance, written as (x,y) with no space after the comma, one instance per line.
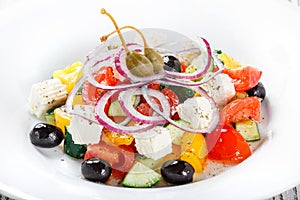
(46,135)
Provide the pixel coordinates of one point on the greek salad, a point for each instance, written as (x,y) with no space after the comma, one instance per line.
(140,116)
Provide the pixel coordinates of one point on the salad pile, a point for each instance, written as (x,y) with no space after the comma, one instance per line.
(143,116)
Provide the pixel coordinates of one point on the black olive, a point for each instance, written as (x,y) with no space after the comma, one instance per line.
(171,63)
(177,172)
(46,135)
(96,169)
(258,91)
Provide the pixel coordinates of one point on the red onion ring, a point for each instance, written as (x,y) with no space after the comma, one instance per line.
(202,92)
(125,102)
(105,121)
(208,76)
(199,72)
(89,73)
(70,99)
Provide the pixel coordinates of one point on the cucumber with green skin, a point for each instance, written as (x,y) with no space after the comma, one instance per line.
(248,129)
(50,116)
(141,176)
(72,149)
(115,109)
(151,163)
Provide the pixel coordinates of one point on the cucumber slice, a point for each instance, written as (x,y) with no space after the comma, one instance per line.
(115,109)
(72,149)
(141,176)
(248,129)
(151,163)
(176,133)
(50,117)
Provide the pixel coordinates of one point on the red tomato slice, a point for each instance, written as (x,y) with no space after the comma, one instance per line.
(105,75)
(154,86)
(244,78)
(115,178)
(230,148)
(183,67)
(121,158)
(145,109)
(242,109)
(172,98)
(89,154)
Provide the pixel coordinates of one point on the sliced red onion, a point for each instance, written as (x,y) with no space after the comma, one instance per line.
(196,74)
(125,99)
(121,66)
(206,77)
(93,82)
(105,121)
(88,71)
(214,122)
(70,99)
(128,119)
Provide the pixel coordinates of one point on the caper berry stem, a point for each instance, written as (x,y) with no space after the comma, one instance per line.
(105,37)
(103,11)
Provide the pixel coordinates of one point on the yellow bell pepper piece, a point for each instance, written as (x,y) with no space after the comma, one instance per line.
(117,138)
(62,119)
(194,143)
(195,161)
(78,100)
(69,75)
(229,61)
(194,150)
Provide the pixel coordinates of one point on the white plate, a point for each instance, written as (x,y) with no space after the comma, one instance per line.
(40,36)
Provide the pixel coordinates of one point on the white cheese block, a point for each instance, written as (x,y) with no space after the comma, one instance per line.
(46,95)
(197,111)
(82,130)
(221,89)
(154,143)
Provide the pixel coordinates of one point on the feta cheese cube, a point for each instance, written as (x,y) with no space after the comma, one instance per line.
(221,89)
(197,111)
(46,95)
(154,143)
(82,130)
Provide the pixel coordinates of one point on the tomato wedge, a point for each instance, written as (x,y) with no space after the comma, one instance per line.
(145,109)
(244,78)
(230,148)
(115,178)
(105,75)
(172,98)
(121,158)
(242,109)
